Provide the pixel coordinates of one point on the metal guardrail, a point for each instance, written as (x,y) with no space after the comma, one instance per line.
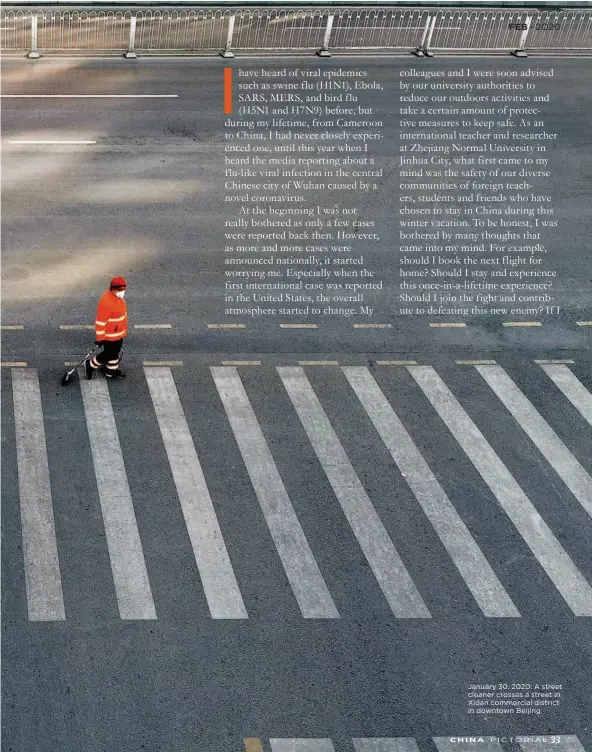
(420,31)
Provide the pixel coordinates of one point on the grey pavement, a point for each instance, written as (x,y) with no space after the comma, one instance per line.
(186,677)
(226,554)
(147,201)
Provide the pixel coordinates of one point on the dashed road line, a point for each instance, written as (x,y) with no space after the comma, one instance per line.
(11,327)
(521,323)
(299,326)
(87,96)
(584,323)
(54,143)
(372,326)
(14,363)
(76,327)
(153,326)
(447,324)
(227,326)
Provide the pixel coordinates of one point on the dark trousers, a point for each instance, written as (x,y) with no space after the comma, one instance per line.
(110,356)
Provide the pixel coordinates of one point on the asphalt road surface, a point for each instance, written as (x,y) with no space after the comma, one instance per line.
(211,552)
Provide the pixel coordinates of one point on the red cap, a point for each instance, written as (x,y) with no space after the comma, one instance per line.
(118,283)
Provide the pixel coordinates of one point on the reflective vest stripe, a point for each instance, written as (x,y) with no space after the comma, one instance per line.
(121,318)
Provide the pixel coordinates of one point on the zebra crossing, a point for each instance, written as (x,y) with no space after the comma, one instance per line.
(390,569)
(461,743)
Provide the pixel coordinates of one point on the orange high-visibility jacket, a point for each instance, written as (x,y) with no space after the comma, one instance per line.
(111,323)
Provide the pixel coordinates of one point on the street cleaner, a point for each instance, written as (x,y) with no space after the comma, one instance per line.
(110,330)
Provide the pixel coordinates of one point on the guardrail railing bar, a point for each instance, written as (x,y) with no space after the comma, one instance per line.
(131,53)
(521,52)
(34,52)
(419,51)
(324,51)
(227,52)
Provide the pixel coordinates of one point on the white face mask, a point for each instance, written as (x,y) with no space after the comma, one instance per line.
(120,293)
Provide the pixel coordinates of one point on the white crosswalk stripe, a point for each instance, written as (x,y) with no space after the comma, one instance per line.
(541,434)
(217,576)
(133,592)
(303,573)
(390,572)
(468,558)
(301,745)
(553,744)
(463,744)
(572,387)
(400,744)
(531,526)
(43,581)
(132,588)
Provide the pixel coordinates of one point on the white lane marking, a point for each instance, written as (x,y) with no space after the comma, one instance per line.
(153,326)
(447,523)
(521,323)
(301,745)
(572,388)
(452,744)
(67,143)
(400,744)
(215,569)
(7,327)
(45,601)
(132,587)
(534,530)
(301,568)
(541,434)
(88,96)
(565,744)
(380,552)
